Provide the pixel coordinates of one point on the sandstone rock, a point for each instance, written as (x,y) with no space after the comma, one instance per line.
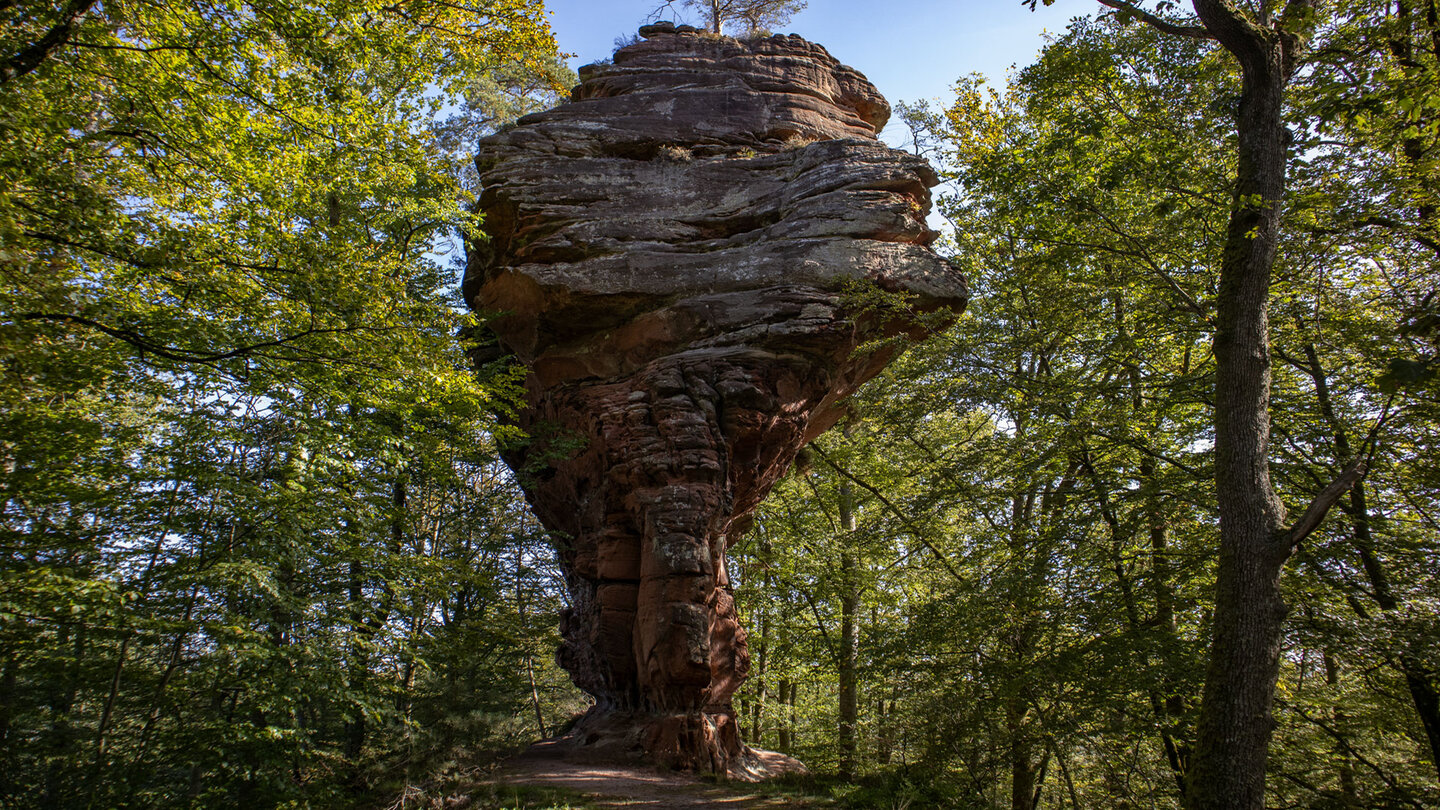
(670,253)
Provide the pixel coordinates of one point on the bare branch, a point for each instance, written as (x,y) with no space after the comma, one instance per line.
(177,353)
(1158,23)
(1315,513)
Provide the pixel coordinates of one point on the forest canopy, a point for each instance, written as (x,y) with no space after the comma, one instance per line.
(260,548)
(246,466)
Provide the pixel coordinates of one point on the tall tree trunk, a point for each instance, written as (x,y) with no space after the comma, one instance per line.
(849,640)
(359,660)
(1167,706)
(1166,703)
(1233,735)
(762,649)
(58,740)
(1420,675)
(8,683)
(884,720)
(762,665)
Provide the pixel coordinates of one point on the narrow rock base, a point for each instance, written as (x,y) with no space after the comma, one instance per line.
(693,741)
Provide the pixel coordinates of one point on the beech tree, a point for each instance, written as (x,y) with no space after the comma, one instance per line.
(1267,41)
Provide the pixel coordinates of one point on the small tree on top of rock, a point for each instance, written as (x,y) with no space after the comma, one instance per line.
(754,15)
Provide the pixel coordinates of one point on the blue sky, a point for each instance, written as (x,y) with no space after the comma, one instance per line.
(910,49)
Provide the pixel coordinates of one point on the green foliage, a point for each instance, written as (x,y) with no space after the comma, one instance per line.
(260,550)
(1035,518)
(259,547)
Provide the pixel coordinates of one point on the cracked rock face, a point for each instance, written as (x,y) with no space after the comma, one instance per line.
(676,253)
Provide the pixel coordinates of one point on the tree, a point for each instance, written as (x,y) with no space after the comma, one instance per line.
(1235,725)
(231,185)
(752,15)
(241,450)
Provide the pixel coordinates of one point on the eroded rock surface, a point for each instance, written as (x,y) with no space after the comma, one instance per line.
(674,252)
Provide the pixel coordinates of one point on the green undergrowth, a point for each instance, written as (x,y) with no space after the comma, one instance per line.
(891,790)
(474,795)
(526,797)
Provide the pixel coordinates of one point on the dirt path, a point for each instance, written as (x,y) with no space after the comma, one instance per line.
(636,788)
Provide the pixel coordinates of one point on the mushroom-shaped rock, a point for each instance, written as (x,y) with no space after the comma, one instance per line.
(676,255)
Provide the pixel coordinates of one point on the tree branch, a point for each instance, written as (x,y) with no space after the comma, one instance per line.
(914,530)
(1158,23)
(1315,513)
(35,55)
(178,354)
(1234,29)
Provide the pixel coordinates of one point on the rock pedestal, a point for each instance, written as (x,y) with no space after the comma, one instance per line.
(680,256)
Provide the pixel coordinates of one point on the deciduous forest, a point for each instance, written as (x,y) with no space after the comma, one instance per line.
(260,548)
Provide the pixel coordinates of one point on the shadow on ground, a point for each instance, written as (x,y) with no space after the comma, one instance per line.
(610,785)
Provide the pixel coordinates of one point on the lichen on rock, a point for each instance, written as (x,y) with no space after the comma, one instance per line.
(668,254)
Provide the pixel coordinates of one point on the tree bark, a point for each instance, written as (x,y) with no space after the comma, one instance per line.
(884,718)
(1022,765)
(529,661)
(1346,771)
(1235,725)
(762,666)
(787,721)
(849,640)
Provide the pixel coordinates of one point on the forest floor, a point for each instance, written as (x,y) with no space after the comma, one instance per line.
(565,784)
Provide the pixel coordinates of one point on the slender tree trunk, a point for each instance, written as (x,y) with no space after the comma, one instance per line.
(8,683)
(359,660)
(762,665)
(849,639)
(108,712)
(762,649)
(1040,781)
(1177,750)
(58,740)
(1419,678)
(791,699)
(1167,707)
(884,718)
(525,624)
(1065,775)
(157,697)
(786,717)
(1022,766)
(1342,722)
(1166,703)
(1420,675)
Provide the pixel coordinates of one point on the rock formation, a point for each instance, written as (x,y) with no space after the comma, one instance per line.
(675,254)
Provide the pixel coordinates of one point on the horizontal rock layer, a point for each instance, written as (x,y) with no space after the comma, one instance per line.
(672,255)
